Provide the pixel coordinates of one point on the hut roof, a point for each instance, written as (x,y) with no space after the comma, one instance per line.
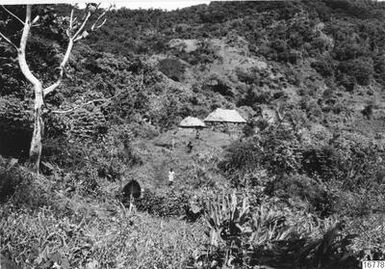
(191,122)
(225,115)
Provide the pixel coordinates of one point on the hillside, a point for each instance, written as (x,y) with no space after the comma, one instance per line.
(301,185)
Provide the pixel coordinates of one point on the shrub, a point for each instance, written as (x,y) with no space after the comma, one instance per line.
(248,76)
(218,85)
(204,54)
(358,70)
(167,205)
(324,67)
(277,150)
(306,189)
(348,82)
(294,56)
(362,204)
(241,156)
(10,178)
(324,161)
(368,111)
(249,129)
(348,159)
(255,97)
(363,71)
(172,68)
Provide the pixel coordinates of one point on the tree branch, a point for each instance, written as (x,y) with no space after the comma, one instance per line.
(52,87)
(84,34)
(72,39)
(72,18)
(82,26)
(8,40)
(12,14)
(21,51)
(35,20)
(61,67)
(94,27)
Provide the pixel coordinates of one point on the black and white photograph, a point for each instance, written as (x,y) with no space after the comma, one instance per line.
(192,134)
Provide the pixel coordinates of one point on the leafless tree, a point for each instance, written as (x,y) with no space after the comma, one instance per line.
(76,31)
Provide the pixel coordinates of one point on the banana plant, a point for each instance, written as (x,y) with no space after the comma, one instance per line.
(267,226)
(226,218)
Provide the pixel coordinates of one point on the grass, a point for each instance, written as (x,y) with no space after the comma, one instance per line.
(103,235)
(45,224)
(192,170)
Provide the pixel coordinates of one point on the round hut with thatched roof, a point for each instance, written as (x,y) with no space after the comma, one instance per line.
(225,120)
(193,124)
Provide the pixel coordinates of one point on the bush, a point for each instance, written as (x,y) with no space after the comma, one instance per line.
(168,205)
(249,129)
(324,161)
(248,76)
(368,111)
(172,68)
(324,67)
(204,54)
(10,178)
(349,159)
(306,189)
(358,71)
(242,157)
(363,71)
(218,85)
(255,97)
(277,150)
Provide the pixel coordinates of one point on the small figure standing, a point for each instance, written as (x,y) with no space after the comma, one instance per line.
(197,136)
(227,130)
(171,174)
(190,147)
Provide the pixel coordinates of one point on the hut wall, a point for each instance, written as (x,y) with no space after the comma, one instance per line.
(225,127)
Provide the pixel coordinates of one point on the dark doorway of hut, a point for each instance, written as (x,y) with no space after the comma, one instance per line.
(130,192)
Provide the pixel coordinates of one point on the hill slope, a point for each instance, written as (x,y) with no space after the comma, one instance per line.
(296,188)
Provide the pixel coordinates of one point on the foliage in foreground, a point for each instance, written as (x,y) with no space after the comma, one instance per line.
(92,232)
(88,229)
(271,235)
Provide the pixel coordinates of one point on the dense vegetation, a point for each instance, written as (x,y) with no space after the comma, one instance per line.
(306,190)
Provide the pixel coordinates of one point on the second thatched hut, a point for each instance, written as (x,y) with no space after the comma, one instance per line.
(225,120)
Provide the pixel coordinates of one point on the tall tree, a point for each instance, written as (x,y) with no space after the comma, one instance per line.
(75,31)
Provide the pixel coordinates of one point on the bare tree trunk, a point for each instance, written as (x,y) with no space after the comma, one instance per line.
(38,130)
(36,145)
(74,33)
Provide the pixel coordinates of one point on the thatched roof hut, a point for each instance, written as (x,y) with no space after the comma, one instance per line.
(224,115)
(192,122)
